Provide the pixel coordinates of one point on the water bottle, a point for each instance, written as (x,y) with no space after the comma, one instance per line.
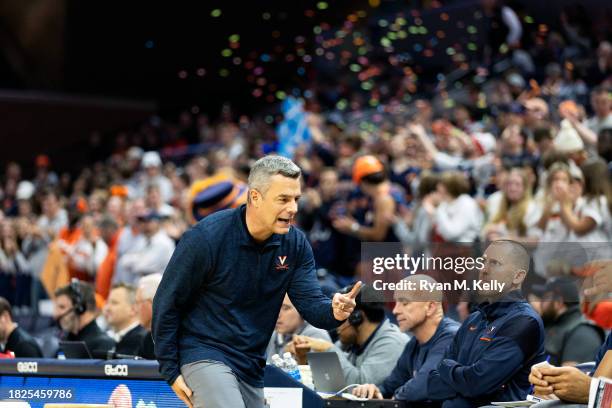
(278,362)
(291,367)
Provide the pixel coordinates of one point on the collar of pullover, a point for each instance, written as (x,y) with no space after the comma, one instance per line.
(246,238)
(492,311)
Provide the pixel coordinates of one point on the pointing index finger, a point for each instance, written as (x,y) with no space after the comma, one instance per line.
(355,291)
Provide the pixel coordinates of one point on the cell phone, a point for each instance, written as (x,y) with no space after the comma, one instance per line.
(533,398)
(340,210)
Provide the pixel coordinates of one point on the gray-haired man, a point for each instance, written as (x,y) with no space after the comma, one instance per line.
(219,298)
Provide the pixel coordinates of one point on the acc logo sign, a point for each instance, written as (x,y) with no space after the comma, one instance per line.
(27,367)
(117,370)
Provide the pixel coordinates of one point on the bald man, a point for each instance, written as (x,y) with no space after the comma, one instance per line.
(491,356)
(420,313)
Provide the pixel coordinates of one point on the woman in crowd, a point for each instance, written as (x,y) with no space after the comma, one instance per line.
(15,271)
(591,221)
(563,192)
(457,217)
(88,252)
(516,215)
(414,227)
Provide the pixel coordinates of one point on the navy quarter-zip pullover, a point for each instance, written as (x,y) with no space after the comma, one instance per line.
(607,345)
(491,355)
(408,380)
(222,292)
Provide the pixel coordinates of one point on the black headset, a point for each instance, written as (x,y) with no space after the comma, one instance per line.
(355,319)
(78,301)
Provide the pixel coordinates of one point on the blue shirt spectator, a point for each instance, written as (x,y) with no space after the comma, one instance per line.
(491,355)
(494,349)
(408,380)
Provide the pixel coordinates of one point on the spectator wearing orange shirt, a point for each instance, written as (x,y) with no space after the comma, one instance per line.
(110,233)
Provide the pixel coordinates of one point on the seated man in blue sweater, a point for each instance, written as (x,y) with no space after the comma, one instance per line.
(491,356)
(220,296)
(419,312)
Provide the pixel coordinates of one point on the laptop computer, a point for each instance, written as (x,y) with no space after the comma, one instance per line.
(327,374)
(328,378)
(75,349)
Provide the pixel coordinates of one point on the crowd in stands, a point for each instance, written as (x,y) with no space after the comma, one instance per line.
(522,155)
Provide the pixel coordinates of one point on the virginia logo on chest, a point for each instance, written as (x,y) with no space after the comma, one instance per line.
(282,263)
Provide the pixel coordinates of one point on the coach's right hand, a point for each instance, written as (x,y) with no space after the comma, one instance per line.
(182,390)
(343,305)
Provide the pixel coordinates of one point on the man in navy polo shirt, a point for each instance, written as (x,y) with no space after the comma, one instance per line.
(492,353)
(219,298)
